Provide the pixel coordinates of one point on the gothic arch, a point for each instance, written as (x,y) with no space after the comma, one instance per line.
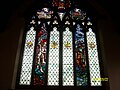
(33,26)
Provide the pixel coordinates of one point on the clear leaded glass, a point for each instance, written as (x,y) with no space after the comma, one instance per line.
(68,73)
(53,62)
(93,58)
(27,61)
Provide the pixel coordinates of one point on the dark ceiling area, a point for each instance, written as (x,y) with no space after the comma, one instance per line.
(7,7)
(113,8)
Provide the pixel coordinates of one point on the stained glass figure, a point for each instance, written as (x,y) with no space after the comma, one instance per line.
(40,62)
(68,73)
(45,13)
(27,61)
(53,62)
(80,57)
(93,58)
(77,14)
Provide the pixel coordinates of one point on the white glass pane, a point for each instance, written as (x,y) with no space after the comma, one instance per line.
(93,59)
(53,62)
(68,74)
(61,15)
(26,70)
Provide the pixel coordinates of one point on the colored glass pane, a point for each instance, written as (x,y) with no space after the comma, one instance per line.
(27,61)
(53,62)
(80,57)
(40,60)
(61,5)
(77,14)
(68,3)
(68,73)
(93,58)
(55,3)
(45,13)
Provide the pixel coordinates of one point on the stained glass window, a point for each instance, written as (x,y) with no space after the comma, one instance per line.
(60,48)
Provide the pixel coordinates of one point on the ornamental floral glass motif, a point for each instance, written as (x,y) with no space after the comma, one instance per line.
(60,48)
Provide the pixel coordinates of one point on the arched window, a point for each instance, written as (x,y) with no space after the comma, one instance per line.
(60,48)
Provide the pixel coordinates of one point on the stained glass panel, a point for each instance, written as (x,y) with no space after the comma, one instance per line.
(61,15)
(77,14)
(80,57)
(45,13)
(68,3)
(68,73)
(40,61)
(61,5)
(53,62)
(93,58)
(27,61)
